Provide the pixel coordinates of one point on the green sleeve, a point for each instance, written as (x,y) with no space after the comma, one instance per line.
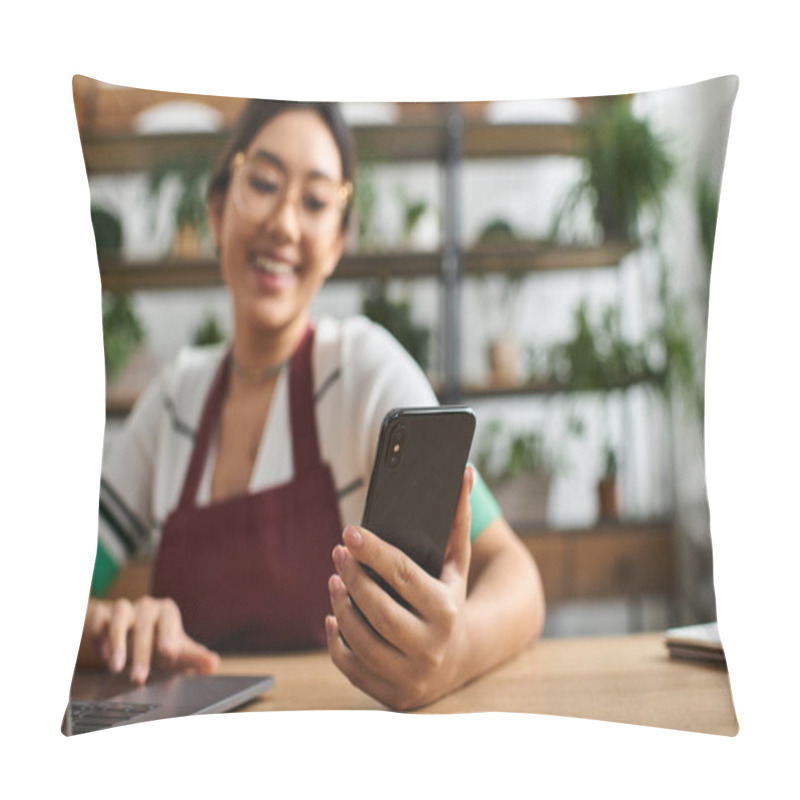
(105,570)
(484,511)
(484,507)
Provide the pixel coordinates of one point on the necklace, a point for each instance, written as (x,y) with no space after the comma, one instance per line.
(255,376)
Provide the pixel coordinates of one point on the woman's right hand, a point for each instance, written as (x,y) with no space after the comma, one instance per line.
(145,633)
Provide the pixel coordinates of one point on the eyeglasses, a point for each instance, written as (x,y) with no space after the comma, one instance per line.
(260,186)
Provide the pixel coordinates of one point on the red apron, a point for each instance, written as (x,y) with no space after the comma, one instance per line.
(251,572)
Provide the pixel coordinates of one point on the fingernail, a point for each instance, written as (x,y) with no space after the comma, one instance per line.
(117,660)
(138,674)
(335,584)
(339,555)
(330,625)
(352,536)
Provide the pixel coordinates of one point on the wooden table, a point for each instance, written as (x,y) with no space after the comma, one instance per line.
(627,679)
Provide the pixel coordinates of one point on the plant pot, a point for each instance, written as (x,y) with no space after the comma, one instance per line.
(424,236)
(615,227)
(523,499)
(187,243)
(504,358)
(607,499)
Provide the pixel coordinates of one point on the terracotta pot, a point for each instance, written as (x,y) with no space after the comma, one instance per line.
(607,498)
(504,359)
(187,243)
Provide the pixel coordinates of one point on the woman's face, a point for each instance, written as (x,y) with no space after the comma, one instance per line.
(279,227)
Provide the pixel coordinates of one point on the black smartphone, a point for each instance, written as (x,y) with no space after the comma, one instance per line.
(416,480)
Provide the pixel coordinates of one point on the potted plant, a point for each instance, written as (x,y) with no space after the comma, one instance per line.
(192,172)
(504,351)
(130,364)
(518,470)
(107,231)
(672,351)
(122,333)
(598,357)
(396,317)
(577,363)
(503,354)
(707,207)
(209,332)
(497,232)
(627,169)
(707,210)
(365,201)
(607,487)
(413,213)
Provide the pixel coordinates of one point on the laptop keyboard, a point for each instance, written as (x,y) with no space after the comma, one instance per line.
(95,715)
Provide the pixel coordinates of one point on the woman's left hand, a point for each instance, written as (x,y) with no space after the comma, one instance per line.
(404,657)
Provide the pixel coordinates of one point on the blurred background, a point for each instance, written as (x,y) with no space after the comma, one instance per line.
(546,262)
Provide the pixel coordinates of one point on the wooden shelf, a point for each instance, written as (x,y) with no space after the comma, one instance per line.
(107,118)
(523,257)
(488,392)
(124,153)
(121,276)
(521,140)
(117,275)
(610,560)
(481,140)
(388,264)
(104,109)
(120,404)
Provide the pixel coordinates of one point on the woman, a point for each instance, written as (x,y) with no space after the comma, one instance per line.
(241,465)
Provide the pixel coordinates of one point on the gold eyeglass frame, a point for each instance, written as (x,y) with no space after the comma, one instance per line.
(345,190)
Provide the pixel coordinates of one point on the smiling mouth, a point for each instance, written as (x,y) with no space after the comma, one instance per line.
(269,266)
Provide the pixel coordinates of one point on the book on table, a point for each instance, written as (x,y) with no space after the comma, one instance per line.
(695,642)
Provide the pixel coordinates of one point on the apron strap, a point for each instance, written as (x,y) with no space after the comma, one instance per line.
(203,436)
(305,443)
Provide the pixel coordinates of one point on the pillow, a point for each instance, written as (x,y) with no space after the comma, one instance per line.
(584,232)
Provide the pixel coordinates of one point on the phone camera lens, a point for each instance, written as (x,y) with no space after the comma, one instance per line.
(395,451)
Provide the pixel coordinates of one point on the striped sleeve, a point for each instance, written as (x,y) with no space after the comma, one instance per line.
(120,529)
(125,507)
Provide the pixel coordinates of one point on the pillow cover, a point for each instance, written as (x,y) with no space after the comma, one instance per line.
(575,326)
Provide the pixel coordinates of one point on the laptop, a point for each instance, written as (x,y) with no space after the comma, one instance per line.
(99,700)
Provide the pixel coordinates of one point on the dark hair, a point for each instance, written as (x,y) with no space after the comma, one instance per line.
(256,114)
